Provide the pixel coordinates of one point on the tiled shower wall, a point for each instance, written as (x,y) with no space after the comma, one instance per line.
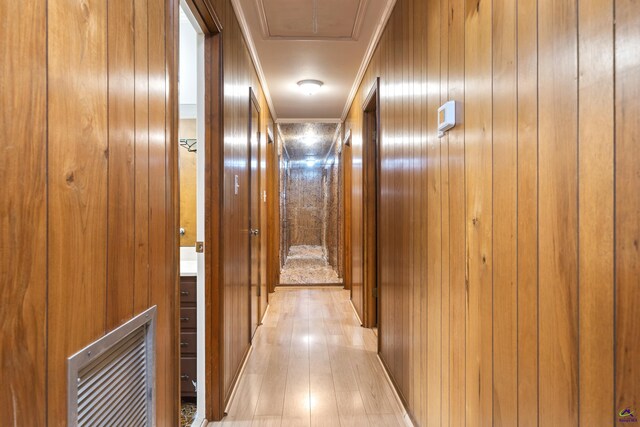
(330,223)
(304,206)
(311,208)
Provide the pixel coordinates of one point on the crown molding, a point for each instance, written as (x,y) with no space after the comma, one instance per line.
(244,27)
(384,18)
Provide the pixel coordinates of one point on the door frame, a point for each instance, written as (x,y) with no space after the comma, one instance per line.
(371,211)
(211,26)
(253,102)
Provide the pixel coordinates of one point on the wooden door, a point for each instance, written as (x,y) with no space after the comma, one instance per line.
(254,210)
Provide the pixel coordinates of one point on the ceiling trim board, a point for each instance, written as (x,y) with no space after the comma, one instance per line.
(262,16)
(357,25)
(244,27)
(373,44)
(315,120)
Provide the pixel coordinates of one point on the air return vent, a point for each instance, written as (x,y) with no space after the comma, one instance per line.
(112,381)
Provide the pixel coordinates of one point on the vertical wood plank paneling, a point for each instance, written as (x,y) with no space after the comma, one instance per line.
(421,50)
(434,395)
(596,184)
(238,75)
(557,210)
(479,215)
(519,215)
(457,228)
(23,220)
(83,69)
(405,283)
(443,149)
(141,153)
(505,181)
(121,182)
(159,283)
(77,183)
(627,205)
(527,116)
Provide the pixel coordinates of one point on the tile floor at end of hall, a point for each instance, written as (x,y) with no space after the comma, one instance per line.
(312,364)
(307,264)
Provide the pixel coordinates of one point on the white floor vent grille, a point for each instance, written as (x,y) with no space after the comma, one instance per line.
(112,381)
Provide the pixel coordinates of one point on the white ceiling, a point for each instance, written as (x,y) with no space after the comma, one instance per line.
(328,40)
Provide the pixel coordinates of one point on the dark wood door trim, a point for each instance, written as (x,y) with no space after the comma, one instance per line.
(371,191)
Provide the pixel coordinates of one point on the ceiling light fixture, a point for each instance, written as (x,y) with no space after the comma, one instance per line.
(310,87)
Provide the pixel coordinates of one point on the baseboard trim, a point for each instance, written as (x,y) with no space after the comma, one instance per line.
(356,312)
(406,415)
(236,380)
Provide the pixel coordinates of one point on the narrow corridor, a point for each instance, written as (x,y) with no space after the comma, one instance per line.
(313,364)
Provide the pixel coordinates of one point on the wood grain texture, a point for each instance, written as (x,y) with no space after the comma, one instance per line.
(23,217)
(81,200)
(558,213)
(596,212)
(513,302)
(77,184)
(434,367)
(121,176)
(479,211)
(527,213)
(505,192)
(457,230)
(627,205)
(141,162)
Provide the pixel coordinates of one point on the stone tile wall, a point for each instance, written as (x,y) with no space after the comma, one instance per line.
(304,206)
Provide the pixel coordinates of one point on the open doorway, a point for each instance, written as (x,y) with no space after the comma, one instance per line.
(309,195)
(200,158)
(191,171)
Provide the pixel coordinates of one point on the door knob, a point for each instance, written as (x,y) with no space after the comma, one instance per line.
(254,232)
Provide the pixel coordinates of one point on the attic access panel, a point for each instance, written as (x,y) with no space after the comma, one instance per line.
(311,19)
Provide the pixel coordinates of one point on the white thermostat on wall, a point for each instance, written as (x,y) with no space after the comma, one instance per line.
(446,117)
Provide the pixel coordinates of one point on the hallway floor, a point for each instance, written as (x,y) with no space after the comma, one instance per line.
(312,364)
(307,265)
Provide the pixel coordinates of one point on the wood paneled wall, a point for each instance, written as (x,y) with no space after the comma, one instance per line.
(239,75)
(89,175)
(509,255)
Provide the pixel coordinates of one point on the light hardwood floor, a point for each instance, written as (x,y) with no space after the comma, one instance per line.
(312,364)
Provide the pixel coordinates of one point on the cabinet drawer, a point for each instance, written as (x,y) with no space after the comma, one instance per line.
(188,374)
(187,290)
(188,343)
(188,318)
